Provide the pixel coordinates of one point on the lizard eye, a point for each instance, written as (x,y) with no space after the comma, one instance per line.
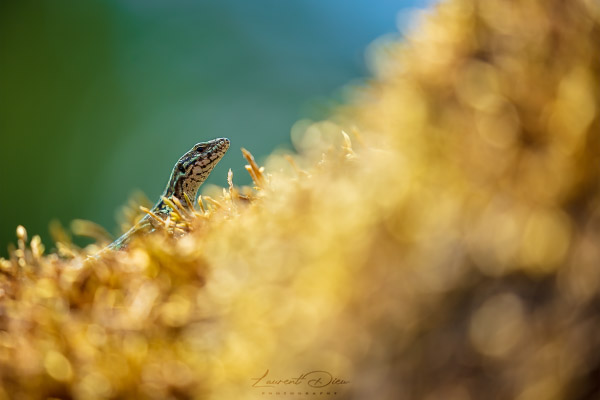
(181,168)
(200,148)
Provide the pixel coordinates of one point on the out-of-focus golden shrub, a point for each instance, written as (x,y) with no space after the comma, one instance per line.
(439,237)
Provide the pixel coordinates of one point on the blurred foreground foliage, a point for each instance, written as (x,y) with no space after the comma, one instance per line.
(439,237)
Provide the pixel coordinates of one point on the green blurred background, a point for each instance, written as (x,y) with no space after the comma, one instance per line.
(100,98)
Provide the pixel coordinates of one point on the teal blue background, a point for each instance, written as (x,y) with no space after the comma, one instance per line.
(99,98)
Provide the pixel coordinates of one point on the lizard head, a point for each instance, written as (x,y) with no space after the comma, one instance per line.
(193,168)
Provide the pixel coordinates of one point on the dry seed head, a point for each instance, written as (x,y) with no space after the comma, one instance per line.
(21,233)
(253,169)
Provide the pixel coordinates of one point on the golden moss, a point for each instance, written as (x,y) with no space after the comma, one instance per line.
(436,238)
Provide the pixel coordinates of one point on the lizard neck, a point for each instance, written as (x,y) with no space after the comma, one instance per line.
(161,207)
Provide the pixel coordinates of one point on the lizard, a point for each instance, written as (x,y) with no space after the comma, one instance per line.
(190,171)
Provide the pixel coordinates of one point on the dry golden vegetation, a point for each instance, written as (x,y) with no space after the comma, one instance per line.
(437,238)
